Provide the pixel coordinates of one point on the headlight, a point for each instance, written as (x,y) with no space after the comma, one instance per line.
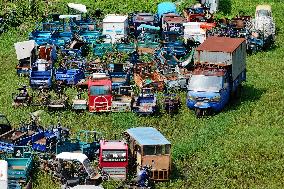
(216,98)
(191,98)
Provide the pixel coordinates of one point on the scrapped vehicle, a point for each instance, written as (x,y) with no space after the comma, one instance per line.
(218,74)
(122,99)
(148,147)
(172,27)
(50,137)
(79,103)
(136,19)
(113,158)
(100,93)
(172,103)
(86,142)
(166,8)
(22,98)
(118,75)
(141,181)
(103,45)
(150,79)
(71,72)
(145,103)
(148,39)
(18,168)
(42,70)
(26,55)
(116,26)
(18,137)
(74,169)
(263,25)
(60,100)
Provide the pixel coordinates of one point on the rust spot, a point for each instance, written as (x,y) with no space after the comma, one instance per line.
(220,44)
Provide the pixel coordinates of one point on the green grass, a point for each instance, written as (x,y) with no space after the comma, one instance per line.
(241,147)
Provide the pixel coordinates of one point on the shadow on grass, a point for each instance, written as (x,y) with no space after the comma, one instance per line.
(175,173)
(225,6)
(248,94)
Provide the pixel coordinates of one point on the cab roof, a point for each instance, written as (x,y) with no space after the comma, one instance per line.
(263,7)
(113,145)
(147,136)
(72,156)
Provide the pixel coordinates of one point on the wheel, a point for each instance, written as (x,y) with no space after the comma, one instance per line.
(199,112)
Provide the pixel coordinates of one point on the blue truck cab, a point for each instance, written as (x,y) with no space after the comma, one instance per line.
(219,71)
(119,76)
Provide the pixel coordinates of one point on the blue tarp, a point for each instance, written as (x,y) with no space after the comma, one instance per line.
(166,7)
(148,27)
(147,136)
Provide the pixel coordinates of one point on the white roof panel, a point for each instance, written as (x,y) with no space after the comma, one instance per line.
(79,7)
(110,18)
(72,156)
(69,16)
(24,49)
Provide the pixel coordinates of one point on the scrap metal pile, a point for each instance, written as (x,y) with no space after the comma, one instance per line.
(68,160)
(153,52)
(122,66)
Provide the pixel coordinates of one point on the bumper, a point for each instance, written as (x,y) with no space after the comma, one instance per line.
(215,106)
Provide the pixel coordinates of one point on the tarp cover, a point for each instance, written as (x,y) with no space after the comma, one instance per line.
(78,7)
(24,49)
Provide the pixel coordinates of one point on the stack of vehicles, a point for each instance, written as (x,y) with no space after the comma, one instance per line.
(121,47)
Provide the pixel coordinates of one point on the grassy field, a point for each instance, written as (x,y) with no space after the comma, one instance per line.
(241,147)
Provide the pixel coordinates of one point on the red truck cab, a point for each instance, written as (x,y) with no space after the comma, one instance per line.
(100,93)
(113,158)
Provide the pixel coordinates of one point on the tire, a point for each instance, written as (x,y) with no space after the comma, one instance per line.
(199,112)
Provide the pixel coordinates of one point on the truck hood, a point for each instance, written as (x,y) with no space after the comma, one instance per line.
(203,94)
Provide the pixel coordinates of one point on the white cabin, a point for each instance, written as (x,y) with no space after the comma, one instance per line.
(192,30)
(115,26)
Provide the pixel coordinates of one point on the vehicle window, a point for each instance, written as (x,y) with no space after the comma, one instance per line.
(167,149)
(149,150)
(158,149)
(205,83)
(100,90)
(114,155)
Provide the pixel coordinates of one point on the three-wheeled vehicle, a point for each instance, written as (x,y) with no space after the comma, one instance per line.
(122,99)
(148,147)
(75,169)
(22,98)
(145,103)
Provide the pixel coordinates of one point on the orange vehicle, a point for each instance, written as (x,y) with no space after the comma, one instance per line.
(148,147)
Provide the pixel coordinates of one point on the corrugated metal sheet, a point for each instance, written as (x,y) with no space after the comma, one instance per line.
(147,136)
(220,44)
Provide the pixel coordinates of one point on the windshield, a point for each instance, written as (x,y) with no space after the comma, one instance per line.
(88,167)
(114,155)
(205,83)
(100,90)
(263,13)
(3,120)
